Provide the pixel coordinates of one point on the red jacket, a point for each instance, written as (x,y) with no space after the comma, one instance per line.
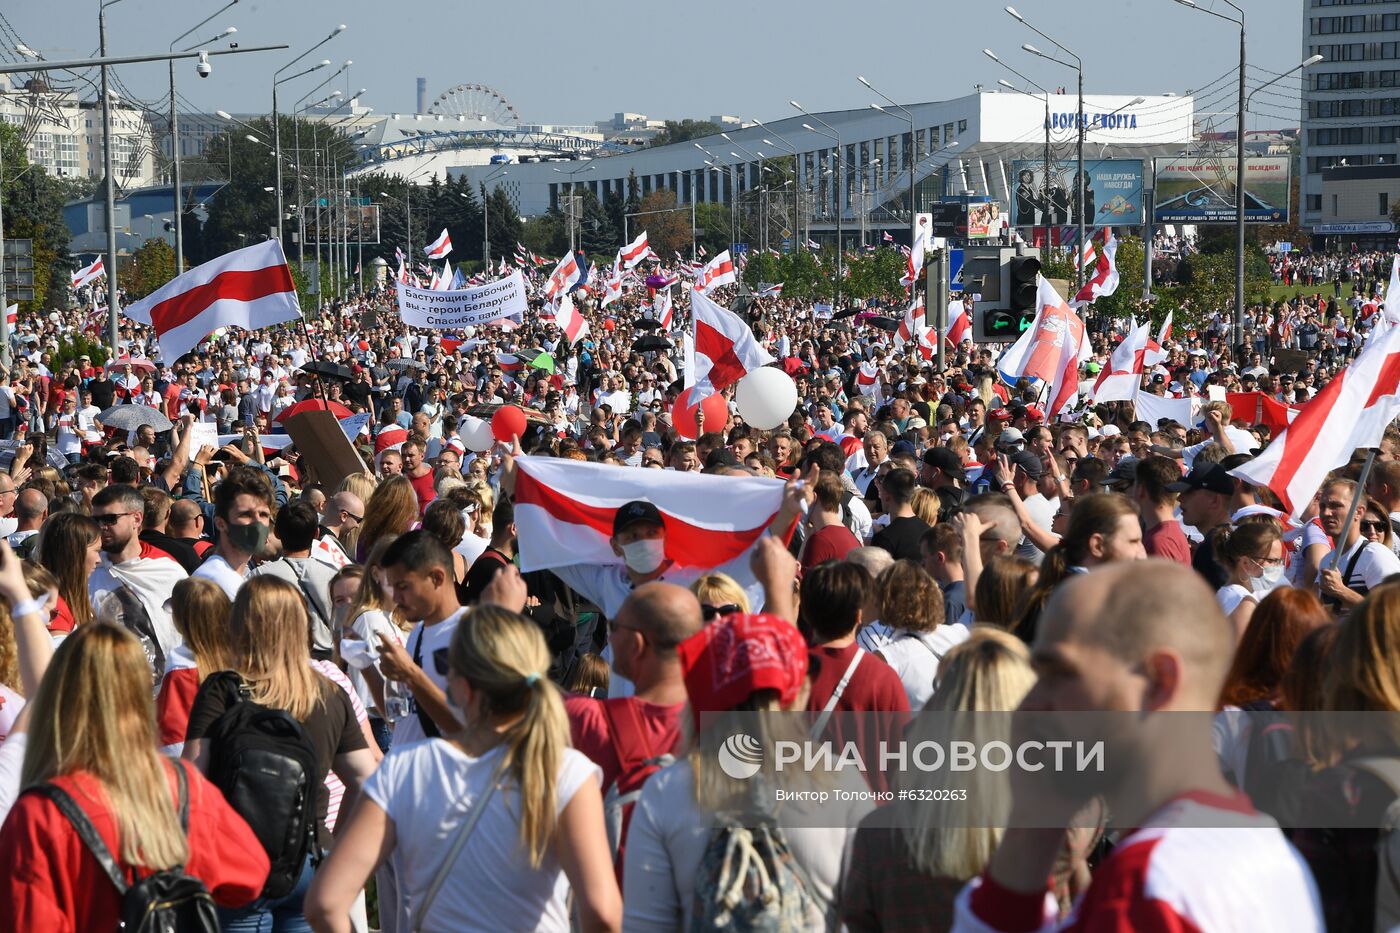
(49,880)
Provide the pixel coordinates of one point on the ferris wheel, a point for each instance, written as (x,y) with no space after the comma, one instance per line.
(476,101)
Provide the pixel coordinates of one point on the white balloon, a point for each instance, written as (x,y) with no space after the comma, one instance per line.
(476,434)
(766,397)
(468,332)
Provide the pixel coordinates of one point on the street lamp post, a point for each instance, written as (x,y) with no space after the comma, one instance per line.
(796,210)
(110,188)
(175,131)
(909,156)
(276,124)
(486,216)
(1082,183)
(835,135)
(570,218)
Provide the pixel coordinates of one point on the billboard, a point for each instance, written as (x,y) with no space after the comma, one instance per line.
(1202,190)
(1113,196)
(360,224)
(984,220)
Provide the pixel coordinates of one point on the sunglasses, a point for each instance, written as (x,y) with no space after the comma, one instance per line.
(1377,527)
(108,519)
(711,613)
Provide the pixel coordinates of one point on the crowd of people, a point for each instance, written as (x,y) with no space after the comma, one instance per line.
(302,704)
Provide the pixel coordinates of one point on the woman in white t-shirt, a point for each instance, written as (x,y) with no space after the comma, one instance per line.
(490,828)
(912,605)
(372,615)
(1252,553)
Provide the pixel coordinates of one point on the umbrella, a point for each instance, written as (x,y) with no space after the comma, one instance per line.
(651,343)
(145,366)
(328,370)
(405,364)
(883,323)
(646,323)
(311,404)
(131,417)
(845,313)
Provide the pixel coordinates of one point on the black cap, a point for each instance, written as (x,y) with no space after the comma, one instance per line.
(942,458)
(635,512)
(1122,475)
(721,456)
(1029,463)
(1211,477)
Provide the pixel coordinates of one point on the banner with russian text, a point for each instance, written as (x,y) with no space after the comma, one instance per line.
(465,307)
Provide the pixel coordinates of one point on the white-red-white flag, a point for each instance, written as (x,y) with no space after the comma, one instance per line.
(868,374)
(911,326)
(87,273)
(439,248)
(725,348)
(1120,379)
(249,288)
(718,271)
(914,259)
(1157,349)
(1050,350)
(663,308)
(12,315)
(612,286)
(635,251)
(959,323)
(1352,411)
(570,321)
(770,291)
(1104,281)
(563,278)
(564,511)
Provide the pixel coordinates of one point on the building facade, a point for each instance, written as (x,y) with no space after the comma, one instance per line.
(1351,101)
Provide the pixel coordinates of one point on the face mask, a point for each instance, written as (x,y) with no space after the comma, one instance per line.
(249,538)
(644,556)
(1267,582)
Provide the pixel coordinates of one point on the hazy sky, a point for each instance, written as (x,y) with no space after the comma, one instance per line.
(581,62)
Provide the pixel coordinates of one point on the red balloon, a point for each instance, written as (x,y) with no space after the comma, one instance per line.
(507,423)
(609,324)
(683,415)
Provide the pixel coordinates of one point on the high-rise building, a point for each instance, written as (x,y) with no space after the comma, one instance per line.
(1351,113)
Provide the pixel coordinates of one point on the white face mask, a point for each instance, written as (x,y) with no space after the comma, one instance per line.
(644,556)
(1264,584)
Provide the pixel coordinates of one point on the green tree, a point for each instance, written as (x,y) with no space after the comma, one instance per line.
(682,131)
(598,236)
(506,226)
(33,207)
(712,221)
(149,268)
(668,232)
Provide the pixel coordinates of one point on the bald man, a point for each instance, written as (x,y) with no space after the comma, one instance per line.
(1143,639)
(31,508)
(653,620)
(187,523)
(343,511)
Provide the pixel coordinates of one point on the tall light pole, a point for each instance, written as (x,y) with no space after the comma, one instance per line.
(570,218)
(909,156)
(277,79)
(175,128)
(486,216)
(1238,341)
(1079,120)
(796,210)
(835,135)
(110,189)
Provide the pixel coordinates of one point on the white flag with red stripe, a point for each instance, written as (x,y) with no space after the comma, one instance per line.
(612,287)
(570,321)
(1119,380)
(868,374)
(564,512)
(1104,281)
(12,315)
(914,259)
(718,271)
(663,308)
(725,348)
(1157,349)
(439,248)
(1352,411)
(959,323)
(563,278)
(87,273)
(635,252)
(1050,350)
(249,288)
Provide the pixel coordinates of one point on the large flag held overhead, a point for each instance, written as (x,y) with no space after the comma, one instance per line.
(725,348)
(564,277)
(635,252)
(87,273)
(1352,411)
(612,286)
(249,288)
(663,308)
(959,323)
(1157,349)
(1119,380)
(718,271)
(1050,351)
(439,248)
(570,321)
(914,259)
(564,512)
(1104,281)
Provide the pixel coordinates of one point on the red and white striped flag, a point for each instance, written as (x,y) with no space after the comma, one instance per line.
(770,291)
(249,288)
(12,315)
(564,512)
(868,374)
(1157,349)
(439,248)
(570,321)
(700,250)
(914,259)
(1104,281)
(725,348)
(663,308)
(635,252)
(87,273)
(718,271)
(959,323)
(911,326)
(1352,411)
(1120,379)
(1086,255)
(885,236)
(612,288)
(1050,350)
(563,278)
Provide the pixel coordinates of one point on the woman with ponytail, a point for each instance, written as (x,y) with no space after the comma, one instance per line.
(489,828)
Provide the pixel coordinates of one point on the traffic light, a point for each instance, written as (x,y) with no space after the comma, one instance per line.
(1007,311)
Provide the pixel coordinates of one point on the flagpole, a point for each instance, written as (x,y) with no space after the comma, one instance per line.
(311,346)
(1356,498)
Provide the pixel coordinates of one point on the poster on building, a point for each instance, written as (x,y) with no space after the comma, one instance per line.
(985,221)
(1112,198)
(1202,190)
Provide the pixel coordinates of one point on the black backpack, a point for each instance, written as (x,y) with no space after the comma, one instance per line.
(161,902)
(265,765)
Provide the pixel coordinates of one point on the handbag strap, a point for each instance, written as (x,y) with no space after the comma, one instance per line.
(820,725)
(469,824)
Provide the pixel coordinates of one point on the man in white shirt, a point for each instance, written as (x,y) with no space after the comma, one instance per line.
(874,449)
(1361,565)
(243,518)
